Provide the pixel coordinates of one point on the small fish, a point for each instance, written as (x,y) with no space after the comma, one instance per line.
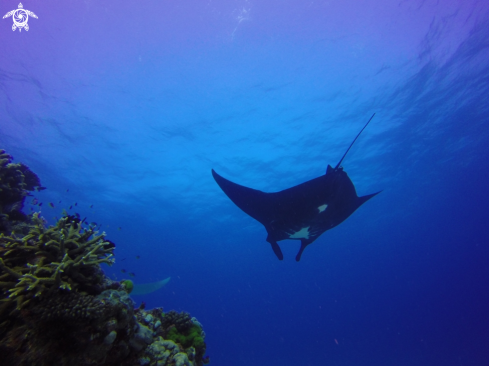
(70,207)
(40,204)
(76,203)
(51,205)
(91,206)
(123,271)
(35,201)
(32,209)
(132,274)
(336,341)
(59,201)
(119,228)
(138,256)
(123,259)
(67,190)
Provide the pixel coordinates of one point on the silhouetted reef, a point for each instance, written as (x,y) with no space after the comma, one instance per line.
(57,306)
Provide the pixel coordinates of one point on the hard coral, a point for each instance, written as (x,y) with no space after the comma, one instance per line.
(16,180)
(57,307)
(186,331)
(70,337)
(62,257)
(71,306)
(182,321)
(190,338)
(183,345)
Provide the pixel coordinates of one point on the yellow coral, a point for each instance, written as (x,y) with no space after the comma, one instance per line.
(49,259)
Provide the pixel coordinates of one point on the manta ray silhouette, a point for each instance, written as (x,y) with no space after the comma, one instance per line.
(302,212)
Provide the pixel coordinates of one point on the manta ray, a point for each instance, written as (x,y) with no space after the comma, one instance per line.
(302,212)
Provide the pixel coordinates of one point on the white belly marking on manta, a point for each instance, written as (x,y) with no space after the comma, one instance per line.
(301,234)
(322,208)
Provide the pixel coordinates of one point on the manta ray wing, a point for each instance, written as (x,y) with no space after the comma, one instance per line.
(255,203)
(252,201)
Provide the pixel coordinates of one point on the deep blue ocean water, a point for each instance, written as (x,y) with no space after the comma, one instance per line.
(127,108)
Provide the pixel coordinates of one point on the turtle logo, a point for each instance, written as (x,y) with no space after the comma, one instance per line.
(20,16)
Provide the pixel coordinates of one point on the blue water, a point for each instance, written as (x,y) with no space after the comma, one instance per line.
(128,108)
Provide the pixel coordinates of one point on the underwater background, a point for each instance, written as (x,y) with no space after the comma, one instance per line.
(122,108)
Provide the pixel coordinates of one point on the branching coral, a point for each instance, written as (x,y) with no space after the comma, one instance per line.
(46,260)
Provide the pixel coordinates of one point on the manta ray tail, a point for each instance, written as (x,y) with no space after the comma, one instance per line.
(337,166)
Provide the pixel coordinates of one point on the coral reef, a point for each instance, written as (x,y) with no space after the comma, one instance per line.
(70,307)
(73,330)
(62,257)
(177,329)
(16,181)
(58,308)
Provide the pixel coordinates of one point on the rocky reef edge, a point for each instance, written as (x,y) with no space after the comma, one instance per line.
(57,306)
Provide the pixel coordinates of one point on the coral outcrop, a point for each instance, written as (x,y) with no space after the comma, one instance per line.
(16,181)
(58,308)
(65,256)
(180,331)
